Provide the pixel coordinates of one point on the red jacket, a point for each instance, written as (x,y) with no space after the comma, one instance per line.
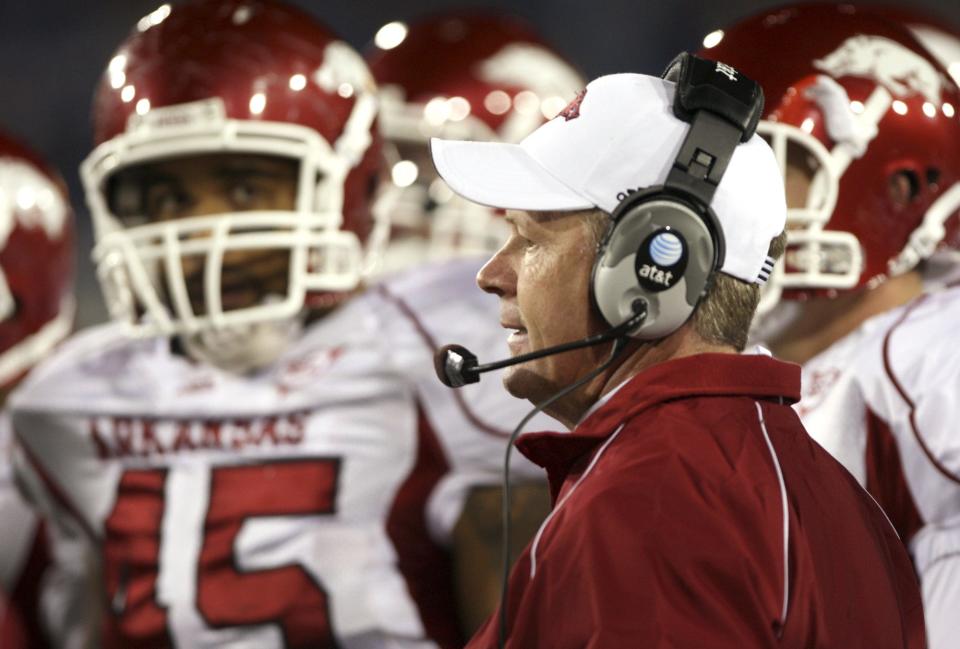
(668,526)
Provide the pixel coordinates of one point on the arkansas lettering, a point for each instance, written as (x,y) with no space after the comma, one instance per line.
(119,437)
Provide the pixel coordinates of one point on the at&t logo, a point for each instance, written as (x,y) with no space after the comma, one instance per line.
(661,260)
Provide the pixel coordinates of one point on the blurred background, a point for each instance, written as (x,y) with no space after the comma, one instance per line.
(52,53)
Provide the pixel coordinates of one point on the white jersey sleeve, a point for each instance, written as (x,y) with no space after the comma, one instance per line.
(913,384)
(908,372)
(420,312)
(884,401)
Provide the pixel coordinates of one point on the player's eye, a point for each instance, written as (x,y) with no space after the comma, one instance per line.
(245,194)
(167,202)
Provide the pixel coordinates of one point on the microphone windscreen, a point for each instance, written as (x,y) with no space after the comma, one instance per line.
(450,363)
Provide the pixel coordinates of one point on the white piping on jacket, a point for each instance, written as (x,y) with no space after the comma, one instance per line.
(783,501)
(786,515)
(546,521)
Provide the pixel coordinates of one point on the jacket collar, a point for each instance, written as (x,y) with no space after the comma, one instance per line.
(761,377)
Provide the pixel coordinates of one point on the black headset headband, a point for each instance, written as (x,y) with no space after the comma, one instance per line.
(664,244)
(723,108)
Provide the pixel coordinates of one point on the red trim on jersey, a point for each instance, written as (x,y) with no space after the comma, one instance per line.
(12,633)
(426,567)
(903,393)
(432,344)
(58,494)
(23,610)
(885,479)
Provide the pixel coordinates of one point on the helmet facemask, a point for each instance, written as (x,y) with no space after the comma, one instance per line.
(815,257)
(180,276)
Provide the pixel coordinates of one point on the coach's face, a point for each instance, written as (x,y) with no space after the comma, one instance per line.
(542,277)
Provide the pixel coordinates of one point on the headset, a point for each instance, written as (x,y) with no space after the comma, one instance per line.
(664,244)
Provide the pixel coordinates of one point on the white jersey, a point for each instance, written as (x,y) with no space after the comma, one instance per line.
(885,401)
(42,572)
(21,526)
(305,506)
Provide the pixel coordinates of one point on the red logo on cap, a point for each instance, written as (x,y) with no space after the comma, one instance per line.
(572,111)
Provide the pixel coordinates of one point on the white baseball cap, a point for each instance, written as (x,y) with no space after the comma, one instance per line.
(620,134)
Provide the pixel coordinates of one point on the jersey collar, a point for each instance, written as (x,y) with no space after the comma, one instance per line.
(751,375)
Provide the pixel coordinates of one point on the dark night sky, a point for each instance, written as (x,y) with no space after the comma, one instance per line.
(52,53)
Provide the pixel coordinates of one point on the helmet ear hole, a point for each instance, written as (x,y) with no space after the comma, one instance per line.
(933,178)
(903,186)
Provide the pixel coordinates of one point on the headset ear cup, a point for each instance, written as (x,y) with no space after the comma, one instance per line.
(658,250)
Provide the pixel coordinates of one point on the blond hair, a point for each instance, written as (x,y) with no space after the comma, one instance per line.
(724,314)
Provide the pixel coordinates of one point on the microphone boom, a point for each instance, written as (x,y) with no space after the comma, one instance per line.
(456,366)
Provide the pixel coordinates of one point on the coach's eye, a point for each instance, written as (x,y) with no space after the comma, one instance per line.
(528,244)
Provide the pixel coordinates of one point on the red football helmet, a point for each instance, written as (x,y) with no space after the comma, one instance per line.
(36,261)
(235,77)
(861,104)
(473,76)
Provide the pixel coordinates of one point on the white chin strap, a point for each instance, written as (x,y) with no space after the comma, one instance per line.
(243,348)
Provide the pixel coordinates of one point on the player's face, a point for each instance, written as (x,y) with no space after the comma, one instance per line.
(422,200)
(542,275)
(215,184)
(797,183)
(413,169)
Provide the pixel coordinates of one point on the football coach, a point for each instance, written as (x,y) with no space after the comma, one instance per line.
(691,509)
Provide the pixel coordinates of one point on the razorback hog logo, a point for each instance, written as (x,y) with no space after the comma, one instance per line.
(529,66)
(29,199)
(572,111)
(890,64)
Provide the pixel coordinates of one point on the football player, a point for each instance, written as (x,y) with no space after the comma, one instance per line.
(258,449)
(467,75)
(36,313)
(864,121)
